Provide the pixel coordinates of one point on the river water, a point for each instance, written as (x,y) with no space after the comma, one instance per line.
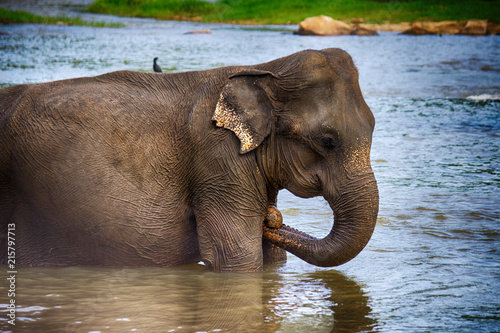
(432,264)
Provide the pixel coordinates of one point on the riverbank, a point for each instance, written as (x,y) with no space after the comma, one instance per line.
(378,12)
(21,16)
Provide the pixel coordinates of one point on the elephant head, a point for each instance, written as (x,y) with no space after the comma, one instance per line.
(305,119)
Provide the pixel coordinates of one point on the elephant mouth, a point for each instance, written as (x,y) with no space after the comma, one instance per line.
(355,215)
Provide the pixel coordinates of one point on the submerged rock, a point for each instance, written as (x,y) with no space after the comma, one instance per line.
(199,32)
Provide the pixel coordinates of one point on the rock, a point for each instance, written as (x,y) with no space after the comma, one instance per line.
(323,26)
(475,28)
(362,31)
(432,28)
(445,27)
(493,29)
(326,26)
(388,26)
(417,30)
(199,32)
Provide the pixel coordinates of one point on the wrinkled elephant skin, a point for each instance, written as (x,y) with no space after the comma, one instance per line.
(144,169)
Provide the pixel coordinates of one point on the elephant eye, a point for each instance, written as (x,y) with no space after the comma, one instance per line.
(328,143)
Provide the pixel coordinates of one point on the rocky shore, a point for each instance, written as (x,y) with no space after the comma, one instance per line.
(326,26)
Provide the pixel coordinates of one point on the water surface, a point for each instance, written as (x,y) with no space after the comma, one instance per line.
(433,262)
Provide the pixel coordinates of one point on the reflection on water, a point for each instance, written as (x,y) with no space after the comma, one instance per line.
(188,300)
(433,262)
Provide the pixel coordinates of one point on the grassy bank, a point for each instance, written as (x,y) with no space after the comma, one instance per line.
(294,11)
(19,16)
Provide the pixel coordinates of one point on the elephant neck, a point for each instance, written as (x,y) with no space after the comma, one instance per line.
(268,166)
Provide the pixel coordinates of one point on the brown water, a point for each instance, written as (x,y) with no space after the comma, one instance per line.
(189,300)
(433,262)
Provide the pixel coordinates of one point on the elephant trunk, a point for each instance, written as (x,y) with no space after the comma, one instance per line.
(355,215)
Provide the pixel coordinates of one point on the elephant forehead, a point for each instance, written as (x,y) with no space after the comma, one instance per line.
(318,113)
(328,68)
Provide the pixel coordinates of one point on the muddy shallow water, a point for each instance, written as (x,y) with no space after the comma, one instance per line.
(433,262)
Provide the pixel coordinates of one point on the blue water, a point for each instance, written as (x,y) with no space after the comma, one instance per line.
(433,262)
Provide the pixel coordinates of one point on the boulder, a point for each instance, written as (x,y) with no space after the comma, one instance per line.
(445,27)
(433,28)
(493,29)
(389,26)
(475,28)
(362,31)
(323,26)
(417,30)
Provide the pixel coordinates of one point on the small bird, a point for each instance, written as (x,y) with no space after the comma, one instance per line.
(156,67)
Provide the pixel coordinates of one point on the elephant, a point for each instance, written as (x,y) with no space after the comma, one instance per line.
(147,169)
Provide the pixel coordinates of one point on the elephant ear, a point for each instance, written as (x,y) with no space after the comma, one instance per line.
(245,109)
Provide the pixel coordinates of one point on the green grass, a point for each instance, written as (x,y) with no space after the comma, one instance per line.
(19,16)
(294,11)
(162,9)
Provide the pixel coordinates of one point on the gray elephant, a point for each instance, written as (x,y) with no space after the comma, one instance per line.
(143,169)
